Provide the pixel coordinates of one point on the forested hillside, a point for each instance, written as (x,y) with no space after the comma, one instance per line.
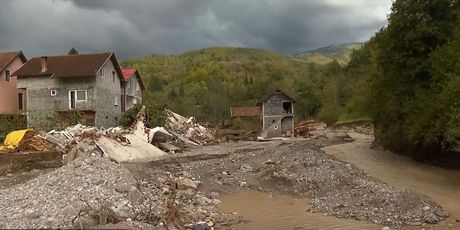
(412,70)
(206,83)
(341,53)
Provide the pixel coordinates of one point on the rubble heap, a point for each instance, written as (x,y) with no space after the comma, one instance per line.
(187,130)
(31,142)
(94,191)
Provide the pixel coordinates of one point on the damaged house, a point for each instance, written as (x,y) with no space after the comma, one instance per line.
(11,101)
(276,111)
(62,89)
(132,88)
(277,115)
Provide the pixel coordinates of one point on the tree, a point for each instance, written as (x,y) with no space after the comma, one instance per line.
(416,28)
(73,51)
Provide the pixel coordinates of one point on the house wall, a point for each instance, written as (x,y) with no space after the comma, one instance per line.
(8,91)
(133,92)
(108,94)
(42,108)
(275,121)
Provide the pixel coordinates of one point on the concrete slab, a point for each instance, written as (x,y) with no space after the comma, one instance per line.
(138,151)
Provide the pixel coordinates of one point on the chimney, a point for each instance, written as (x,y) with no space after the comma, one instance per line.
(44,63)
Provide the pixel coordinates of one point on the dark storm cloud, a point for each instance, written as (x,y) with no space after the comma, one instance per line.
(140,27)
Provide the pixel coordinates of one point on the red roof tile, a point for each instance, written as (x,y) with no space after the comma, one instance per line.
(245,111)
(129,72)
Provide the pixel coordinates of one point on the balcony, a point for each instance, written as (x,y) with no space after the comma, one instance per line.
(64,105)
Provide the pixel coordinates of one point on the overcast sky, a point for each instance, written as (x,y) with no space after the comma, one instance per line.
(142,27)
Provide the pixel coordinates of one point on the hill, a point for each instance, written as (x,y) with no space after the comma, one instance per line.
(205,83)
(325,55)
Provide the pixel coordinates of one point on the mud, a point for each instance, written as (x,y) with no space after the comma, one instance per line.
(273,212)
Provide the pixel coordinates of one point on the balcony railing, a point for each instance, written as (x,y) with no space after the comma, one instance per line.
(64,105)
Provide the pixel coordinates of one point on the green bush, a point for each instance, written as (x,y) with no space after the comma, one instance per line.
(154,112)
(11,122)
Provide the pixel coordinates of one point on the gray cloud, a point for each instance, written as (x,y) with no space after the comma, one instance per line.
(141,27)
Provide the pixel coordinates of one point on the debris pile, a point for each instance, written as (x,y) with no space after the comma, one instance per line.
(95,191)
(31,142)
(303,128)
(187,130)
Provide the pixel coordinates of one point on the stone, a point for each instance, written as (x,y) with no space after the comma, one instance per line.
(246,168)
(243,184)
(385,228)
(214,195)
(185,183)
(201,226)
(426,208)
(34,215)
(135,196)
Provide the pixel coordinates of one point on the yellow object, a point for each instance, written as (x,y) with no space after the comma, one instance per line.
(12,139)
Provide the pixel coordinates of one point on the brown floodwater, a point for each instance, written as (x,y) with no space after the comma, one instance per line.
(274,212)
(270,212)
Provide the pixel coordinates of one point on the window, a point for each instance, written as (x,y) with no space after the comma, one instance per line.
(7,75)
(113,76)
(101,73)
(21,101)
(81,95)
(116,100)
(53,92)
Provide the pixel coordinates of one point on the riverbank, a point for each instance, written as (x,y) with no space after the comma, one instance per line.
(442,185)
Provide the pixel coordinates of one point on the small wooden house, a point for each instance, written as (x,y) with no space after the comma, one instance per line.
(277,115)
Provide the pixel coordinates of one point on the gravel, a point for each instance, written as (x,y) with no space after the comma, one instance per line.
(301,169)
(54,199)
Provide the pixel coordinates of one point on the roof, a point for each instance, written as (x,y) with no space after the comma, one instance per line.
(81,65)
(279,92)
(245,111)
(128,73)
(7,57)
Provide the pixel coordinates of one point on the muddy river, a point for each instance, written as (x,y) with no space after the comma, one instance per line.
(265,211)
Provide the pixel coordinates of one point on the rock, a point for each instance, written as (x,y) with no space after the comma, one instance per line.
(135,196)
(243,183)
(201,226)
(214,195)
(246,168)
(385,228)
(426,208)
(211,223)
(185,183)
(34,215)
(121,208)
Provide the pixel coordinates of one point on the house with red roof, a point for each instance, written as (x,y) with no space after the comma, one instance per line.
(63,90)
(132,88)
(11,101)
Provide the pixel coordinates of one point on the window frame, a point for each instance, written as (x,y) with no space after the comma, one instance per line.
(80,90)
(7,75)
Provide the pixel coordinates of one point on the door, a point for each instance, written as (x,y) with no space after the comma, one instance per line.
(72,99)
